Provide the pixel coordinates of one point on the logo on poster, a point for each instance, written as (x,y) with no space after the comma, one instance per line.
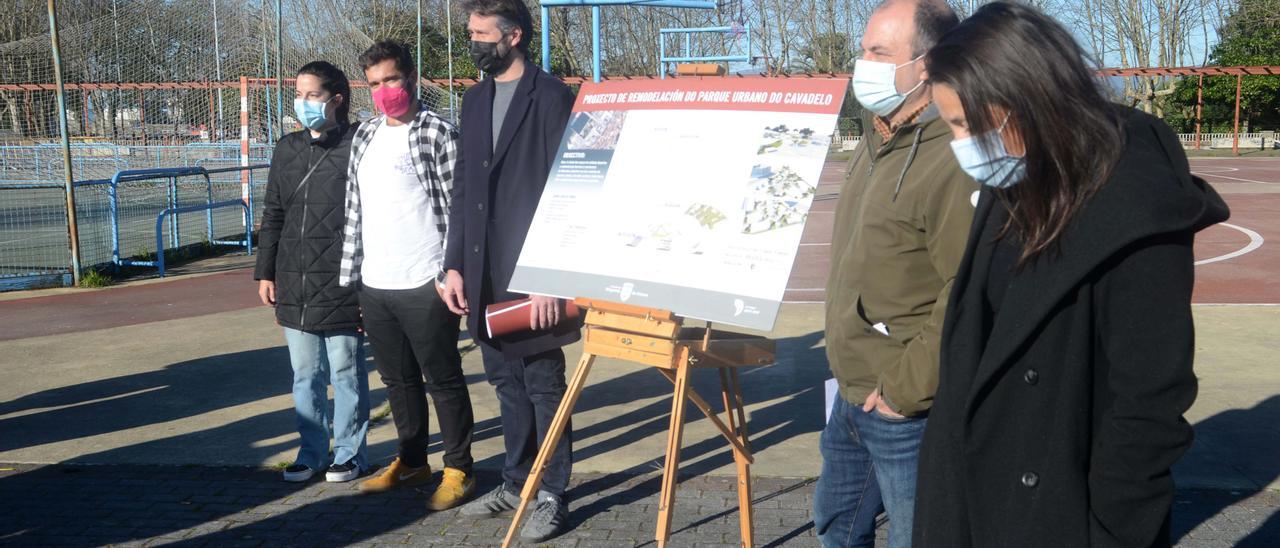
(625,291)
(741,307)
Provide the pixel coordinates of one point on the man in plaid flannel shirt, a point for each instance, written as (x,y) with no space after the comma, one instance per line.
(397,209)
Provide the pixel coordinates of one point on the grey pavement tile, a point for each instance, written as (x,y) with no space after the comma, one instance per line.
(245,507)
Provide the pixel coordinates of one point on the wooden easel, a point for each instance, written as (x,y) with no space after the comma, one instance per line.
(655,338)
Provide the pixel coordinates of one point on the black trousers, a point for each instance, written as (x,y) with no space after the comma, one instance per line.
(415,336)
(529,391)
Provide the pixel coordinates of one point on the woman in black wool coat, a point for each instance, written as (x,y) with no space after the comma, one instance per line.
(1067,349)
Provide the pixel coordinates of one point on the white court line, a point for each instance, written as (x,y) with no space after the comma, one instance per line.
(1199,158)
(1255,241)
(803,245)
(1234,178)
(1236,304)
(1221,169)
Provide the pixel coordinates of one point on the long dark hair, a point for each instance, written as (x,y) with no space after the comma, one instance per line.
(1013,57)
(334,81)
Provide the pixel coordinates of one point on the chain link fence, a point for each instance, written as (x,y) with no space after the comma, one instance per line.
(162,84)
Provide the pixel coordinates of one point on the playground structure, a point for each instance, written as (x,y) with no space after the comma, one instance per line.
(595,6)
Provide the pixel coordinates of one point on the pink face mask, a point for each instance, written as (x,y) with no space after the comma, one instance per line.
(391,101)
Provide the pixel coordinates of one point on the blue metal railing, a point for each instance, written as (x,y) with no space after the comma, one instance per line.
(173,209)
(689,57)
(595,5)
(208,209)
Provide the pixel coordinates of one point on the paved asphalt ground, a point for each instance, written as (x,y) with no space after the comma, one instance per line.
(152,413)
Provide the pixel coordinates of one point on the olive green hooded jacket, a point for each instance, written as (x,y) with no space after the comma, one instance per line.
(900,231)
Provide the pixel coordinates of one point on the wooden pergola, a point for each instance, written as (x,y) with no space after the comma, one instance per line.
(1239,72)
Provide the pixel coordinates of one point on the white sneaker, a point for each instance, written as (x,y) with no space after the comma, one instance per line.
(298,473)
(344,472)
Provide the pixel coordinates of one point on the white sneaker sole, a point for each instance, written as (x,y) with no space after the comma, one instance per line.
(342,477)
(299,477)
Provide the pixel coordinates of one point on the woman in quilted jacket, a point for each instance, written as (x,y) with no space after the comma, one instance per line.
(300,248)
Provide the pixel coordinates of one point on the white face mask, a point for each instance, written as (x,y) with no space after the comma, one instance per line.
(875,86)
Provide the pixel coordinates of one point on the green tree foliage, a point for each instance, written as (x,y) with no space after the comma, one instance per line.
(1250,37)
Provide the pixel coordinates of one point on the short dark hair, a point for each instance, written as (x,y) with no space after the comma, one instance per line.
(334,81)
(510,14)
(388,49)
(933,19)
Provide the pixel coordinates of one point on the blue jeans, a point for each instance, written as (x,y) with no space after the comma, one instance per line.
(868,464)
(320,358)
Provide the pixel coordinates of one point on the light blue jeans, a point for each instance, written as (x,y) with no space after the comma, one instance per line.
(320,358)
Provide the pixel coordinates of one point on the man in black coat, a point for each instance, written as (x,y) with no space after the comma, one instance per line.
(511,123)
(297,273)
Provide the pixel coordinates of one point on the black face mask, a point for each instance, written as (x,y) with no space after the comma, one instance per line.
(488,57)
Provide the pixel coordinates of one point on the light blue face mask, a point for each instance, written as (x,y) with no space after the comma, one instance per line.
(875,87)
(310,113)
(1000,170)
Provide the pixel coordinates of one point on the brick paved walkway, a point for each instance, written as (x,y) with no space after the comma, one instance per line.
(140,505)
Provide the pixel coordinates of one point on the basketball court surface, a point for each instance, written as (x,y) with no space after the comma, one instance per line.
(1237,262)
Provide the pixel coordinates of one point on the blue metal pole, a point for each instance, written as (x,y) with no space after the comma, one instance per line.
(595,43)
(160,243)
(208,214)
(662,55)
(73,227)
(174,236)
(546,38)
(113,195)
(249,214)
(248,228)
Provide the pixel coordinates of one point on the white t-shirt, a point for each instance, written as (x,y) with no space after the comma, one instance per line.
(402,247)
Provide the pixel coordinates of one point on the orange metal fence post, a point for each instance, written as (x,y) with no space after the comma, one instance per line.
(244,139)
(1199,107)
(1235,133)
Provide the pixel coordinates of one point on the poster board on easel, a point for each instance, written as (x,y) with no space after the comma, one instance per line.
(688,195)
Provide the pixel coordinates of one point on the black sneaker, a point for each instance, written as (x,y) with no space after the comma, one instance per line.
(548,518)
(298,473)
(493,503)
(339,473)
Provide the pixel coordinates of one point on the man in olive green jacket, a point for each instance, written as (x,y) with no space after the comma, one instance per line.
(900,232)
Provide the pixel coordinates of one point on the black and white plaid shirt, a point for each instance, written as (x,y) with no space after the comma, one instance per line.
(436,143)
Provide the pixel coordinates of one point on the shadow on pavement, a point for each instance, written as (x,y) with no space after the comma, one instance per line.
(794,383)
(1248,439)
(178,391)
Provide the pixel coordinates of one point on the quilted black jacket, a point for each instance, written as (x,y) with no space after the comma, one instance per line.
(300,241)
